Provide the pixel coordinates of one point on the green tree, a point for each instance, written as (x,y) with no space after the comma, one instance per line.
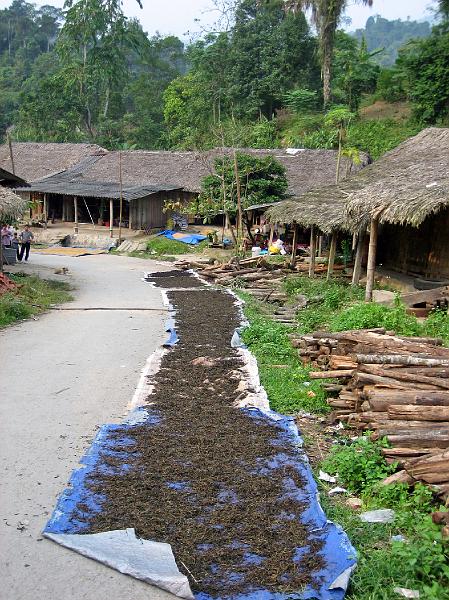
(260,180)
(426,67)
(354,71)
(326,15)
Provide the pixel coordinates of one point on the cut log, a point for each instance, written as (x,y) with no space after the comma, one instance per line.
(417,438)
(410,378)
(341,373)
(399,477)
(432,469)
(408,452)
(418,413)
(401,359)
(341,362)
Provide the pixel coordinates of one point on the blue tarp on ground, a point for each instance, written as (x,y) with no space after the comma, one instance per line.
(185,238)
(338,554)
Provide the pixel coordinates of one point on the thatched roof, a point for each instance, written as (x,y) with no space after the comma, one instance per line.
(35,160)
(9,179)
(405,185)
(11,205)
(326,213)
(80,181)
(305,168)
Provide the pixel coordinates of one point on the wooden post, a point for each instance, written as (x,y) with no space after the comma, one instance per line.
(332,252)
(270,240)
(312,251)
(358,258)
(75,208)
(111,217)
(121,198)
(294,244)
(45,210)
(371,266)
(239,199)
(320,244)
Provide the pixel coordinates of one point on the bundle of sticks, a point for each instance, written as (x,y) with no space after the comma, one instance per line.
(397,387)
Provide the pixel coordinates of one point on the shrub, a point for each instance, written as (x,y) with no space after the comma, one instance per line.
(359,465)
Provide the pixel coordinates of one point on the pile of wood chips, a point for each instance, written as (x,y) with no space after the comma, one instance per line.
(397,387)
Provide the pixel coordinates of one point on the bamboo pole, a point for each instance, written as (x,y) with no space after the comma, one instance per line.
(121,198)
(371,266)
(294,244)
(111,217)
(312,251)
(75,208)
(332,253)
(358,258)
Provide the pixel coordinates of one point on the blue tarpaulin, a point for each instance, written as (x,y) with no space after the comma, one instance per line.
(185,238)
(339,557)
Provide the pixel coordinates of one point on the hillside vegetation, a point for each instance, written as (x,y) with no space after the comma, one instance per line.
(87,73)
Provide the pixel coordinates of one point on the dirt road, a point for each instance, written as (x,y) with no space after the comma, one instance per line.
(60,378)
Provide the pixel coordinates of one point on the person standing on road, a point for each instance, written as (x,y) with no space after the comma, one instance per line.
(6,236)
(15,245)
(25,238)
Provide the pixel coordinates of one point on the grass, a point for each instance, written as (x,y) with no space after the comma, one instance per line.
(290,389)
(421,561)
(33,296)
(338,306)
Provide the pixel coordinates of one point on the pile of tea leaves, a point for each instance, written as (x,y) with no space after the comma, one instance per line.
(219,483)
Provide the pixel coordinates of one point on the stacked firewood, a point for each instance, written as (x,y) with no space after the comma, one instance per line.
(394,386)
(246,270)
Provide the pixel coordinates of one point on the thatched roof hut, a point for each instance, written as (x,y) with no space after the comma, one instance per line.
(328,213)
(404,186)
(35,160)
(11,205)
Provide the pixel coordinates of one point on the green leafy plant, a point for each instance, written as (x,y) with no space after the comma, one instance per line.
(359,465)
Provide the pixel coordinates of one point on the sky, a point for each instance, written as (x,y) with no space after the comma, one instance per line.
(180,17)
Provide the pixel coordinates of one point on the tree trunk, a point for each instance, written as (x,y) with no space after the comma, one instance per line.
(327,60)
(337,172)
(106,103)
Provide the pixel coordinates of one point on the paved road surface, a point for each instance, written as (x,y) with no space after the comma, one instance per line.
(61,377)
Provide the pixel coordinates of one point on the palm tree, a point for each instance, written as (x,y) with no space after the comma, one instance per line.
(326,15)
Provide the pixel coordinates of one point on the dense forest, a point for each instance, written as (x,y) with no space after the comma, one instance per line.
(390,36)
(89,73)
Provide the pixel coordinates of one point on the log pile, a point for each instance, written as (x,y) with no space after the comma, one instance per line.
(256,275)
(396,387)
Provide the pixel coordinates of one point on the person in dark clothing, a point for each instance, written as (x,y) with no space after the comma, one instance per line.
(25,237)
(15,245)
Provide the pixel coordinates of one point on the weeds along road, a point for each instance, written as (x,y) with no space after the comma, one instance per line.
(61,377)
